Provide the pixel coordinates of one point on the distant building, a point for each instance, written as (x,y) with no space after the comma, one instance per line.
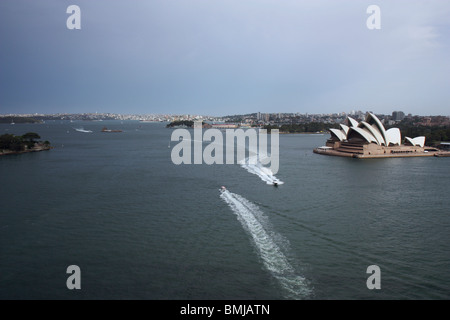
(369,139)
(398,115)
(444,146)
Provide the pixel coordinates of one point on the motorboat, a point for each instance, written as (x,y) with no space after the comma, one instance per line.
(82,130)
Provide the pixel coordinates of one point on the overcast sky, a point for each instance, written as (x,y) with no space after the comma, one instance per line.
(220,57)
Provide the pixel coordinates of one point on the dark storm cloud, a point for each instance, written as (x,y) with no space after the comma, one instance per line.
(222,57)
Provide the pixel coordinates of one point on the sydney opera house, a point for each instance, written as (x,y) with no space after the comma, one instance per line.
(369,139)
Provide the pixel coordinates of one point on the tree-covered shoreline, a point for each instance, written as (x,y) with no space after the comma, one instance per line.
(311,127)
(434,134)
(181,123)
(19,120)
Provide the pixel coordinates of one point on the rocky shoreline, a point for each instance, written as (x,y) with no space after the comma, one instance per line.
(34,149)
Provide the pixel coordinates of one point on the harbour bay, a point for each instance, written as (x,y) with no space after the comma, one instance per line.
(141,227)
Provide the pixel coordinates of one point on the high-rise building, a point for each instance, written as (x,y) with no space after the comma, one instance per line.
(398,115)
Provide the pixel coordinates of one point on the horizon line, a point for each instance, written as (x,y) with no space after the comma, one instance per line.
(205,115)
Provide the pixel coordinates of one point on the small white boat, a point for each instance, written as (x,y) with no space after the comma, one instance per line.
(82,130)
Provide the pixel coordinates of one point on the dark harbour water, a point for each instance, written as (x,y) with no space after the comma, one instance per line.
(140,227)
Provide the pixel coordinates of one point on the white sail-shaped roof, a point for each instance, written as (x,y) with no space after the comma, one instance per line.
(374,131)
(393,137)
(373,120)
(420,141)
(338,134)
(352,122)
(361,133)
(344,128)
(417,141)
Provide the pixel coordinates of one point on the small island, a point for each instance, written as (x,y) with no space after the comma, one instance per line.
(11,144)
(186,124)
(181,124)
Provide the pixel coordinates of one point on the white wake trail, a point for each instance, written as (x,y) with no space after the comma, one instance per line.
(254,166)
(274,260)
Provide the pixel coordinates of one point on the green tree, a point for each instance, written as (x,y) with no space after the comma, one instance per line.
(29,138)
(11,142)
(187,123)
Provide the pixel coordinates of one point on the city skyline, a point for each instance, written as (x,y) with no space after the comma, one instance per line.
(224,57)
(395,116)
(349,112)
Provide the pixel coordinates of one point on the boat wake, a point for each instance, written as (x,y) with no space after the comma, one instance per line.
(265,240)
(82,130)
(253,165)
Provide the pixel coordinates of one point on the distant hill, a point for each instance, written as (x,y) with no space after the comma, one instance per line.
(18,120)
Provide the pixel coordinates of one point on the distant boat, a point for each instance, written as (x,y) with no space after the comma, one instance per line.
(82,130)
(12,122)
(109,130)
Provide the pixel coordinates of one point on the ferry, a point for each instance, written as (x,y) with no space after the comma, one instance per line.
(109,130)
